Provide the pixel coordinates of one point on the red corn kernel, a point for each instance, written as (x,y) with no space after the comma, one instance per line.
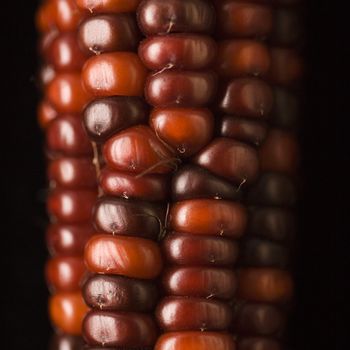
(126,256)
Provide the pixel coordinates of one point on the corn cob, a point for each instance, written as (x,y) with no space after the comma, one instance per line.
(265,286)
(129,215)
(210,181)
(71,175)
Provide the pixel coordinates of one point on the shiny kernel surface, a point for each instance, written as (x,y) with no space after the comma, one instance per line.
(126,256)
(186,130)
(195,341)
(208,217)
(67,311)
(66,93)
(137,150)
(117,73)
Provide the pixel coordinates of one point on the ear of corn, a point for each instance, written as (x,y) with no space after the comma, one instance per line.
(173,161)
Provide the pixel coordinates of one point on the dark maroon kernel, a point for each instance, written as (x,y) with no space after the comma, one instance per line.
(233,160)
(181,51)
(243,129)
(287,28)
(273,189)
(174,16)
(108,32)
(255,252)
(258,343)
(176,88)
(247,97)
(286,109)
(191,182)
(120,293)
(272,223)
(256,318)
(195,250)
(129,217)
(105,116)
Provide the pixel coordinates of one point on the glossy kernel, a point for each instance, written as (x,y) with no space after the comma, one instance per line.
(279,152)
(242,129)
(46,113)
(186,314)
(126,256)
(186,130)
(152,187)
(71,206)
(118,73)
(138,150)
(65,274)
(72,173)
(242,57)
(203,282)
(67,311)
(183,51)
(108,5)
(195,341)
(68,15)
(107,292)
(164,17)
(107,33)
(191,182)
(66,93)
(121,330)
(129,217)
(265,285)
(208,217)
(68,240)
(66,136)
(247,97)
(176,88)
(64,53)
(104,117)
(196,250)
(230,159)
(244,19)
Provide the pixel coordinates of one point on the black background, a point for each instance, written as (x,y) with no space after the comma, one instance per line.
(22,249)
